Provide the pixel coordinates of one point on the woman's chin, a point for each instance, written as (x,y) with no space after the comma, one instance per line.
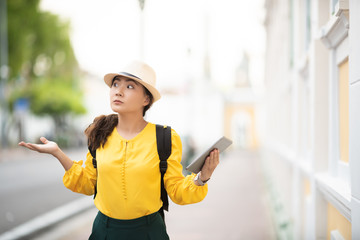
(115,109)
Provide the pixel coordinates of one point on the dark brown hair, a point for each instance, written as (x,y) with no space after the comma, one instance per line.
(151,100)
(98,131)
(103,125)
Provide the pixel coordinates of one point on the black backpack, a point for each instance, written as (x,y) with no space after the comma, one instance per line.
(163,140)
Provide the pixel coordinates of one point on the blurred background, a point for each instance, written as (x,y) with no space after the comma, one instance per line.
(278,77)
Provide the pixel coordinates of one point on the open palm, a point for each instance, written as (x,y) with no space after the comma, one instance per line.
(47,146)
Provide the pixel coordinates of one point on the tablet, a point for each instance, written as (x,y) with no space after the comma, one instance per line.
(197,164)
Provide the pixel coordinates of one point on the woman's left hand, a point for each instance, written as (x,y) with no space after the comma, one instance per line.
(211,163)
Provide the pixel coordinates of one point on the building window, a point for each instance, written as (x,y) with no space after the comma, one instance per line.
(336,221)
(333,5)
(340,109)
(335,37)
(305,119)
(307,24)
(291,33)
(343,70)
(335,184)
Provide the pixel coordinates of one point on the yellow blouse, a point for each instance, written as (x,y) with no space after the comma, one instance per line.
(128,177)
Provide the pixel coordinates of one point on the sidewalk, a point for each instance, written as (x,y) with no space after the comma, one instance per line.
(235,208)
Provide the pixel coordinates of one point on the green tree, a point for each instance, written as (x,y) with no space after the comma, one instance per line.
(39,43)
(42,64)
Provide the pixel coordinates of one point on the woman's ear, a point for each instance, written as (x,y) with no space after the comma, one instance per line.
(147,100)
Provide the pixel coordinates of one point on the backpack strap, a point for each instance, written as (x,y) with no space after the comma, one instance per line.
(93,154)
(163,140)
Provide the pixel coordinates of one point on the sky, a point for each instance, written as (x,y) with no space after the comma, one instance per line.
(177,35)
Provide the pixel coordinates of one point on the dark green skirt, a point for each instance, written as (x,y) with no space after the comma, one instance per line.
(149,227)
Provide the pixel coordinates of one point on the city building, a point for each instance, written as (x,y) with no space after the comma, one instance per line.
(311,155)
(241,109)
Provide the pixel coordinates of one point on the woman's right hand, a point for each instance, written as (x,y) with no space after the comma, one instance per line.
(47,146)
(51,148)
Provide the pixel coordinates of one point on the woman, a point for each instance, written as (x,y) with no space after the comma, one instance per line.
(127,174)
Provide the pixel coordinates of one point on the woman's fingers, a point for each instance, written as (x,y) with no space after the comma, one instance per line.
(216,156)
(34,147)
(27,145)
(211,163)
(44,140)
(46,146)
(214,159)
(23,144)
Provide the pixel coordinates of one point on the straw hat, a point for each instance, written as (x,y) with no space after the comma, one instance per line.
(140,72)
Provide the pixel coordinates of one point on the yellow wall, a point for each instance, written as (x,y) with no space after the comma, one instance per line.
(336,221)
(230,111)
(303,208)
(307,187)
(344,110)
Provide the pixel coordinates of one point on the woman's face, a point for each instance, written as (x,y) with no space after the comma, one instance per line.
(127,96)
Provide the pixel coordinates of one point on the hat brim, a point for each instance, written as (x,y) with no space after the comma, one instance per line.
(155,93)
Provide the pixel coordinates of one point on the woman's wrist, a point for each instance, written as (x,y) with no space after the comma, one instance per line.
(65,161)
(198,180)
(204,178)
(56,152)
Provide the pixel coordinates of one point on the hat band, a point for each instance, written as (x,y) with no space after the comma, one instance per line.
(129,75)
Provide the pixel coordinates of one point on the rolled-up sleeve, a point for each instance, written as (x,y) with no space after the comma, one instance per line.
(182,190)
(81,179)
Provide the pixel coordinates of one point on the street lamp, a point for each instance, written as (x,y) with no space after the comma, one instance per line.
(142,5)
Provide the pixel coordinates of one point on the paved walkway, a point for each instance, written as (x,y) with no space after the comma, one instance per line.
(235,208)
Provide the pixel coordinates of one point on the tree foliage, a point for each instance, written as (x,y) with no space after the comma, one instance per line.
(42,64)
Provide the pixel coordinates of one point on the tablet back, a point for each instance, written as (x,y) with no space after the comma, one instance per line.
(198,163)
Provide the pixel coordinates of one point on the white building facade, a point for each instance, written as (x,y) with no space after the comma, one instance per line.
(312,80)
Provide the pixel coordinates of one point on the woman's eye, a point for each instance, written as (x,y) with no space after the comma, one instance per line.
(130,86)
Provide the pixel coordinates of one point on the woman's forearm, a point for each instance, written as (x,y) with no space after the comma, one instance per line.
(65,161)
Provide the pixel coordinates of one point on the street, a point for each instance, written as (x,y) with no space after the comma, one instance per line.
(31,185)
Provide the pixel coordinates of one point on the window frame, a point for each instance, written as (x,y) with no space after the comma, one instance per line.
(338,6)
(335,183)
(337,167)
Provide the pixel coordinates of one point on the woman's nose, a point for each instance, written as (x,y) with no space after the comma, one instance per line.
(120,90)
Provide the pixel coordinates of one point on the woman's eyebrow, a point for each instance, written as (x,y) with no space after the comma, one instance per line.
(133,81)
(118,78)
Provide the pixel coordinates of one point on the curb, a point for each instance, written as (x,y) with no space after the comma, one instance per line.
(48,219)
